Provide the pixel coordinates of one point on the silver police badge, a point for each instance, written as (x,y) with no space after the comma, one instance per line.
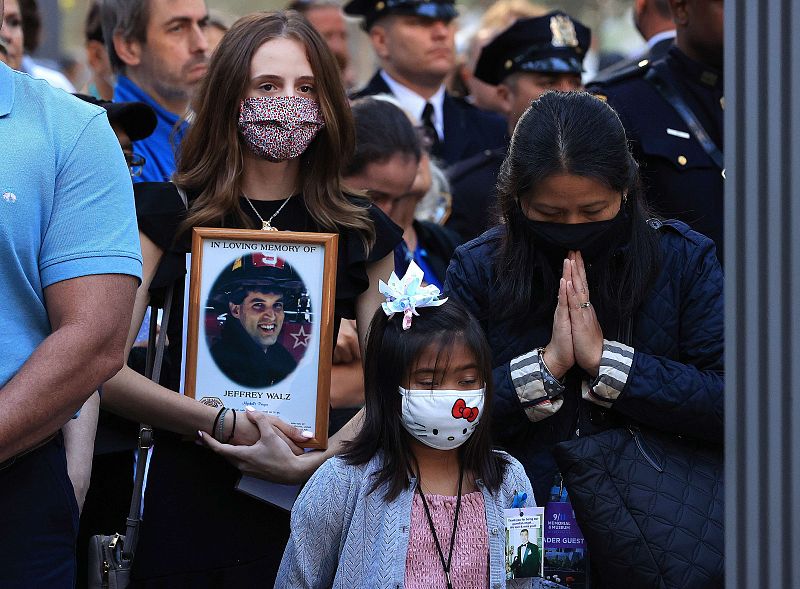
(563,30)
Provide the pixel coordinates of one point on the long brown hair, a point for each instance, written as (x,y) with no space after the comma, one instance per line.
(211,159)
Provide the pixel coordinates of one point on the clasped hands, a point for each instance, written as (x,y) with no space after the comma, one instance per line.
(577,337)
(275,453)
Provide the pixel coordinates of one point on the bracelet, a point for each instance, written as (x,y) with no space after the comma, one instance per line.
(216,421)
(218,435)
(233,428)
(546,369)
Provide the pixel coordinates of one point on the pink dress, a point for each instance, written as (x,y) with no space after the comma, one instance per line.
(470,566)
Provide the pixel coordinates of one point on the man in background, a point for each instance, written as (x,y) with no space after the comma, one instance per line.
(159,51)
(532,56)
(672,110)
(415,43)
(653,20)
(327,18)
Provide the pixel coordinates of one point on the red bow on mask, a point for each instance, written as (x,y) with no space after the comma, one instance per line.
(460,409)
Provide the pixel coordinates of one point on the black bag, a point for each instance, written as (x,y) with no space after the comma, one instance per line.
(111,557)
(650,506)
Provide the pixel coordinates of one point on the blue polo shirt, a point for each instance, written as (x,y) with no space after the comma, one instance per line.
(158,149)
(66,206)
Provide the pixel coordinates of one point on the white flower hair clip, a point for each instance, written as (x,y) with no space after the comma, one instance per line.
(405,295)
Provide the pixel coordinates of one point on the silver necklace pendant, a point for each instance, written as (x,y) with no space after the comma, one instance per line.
(265,226)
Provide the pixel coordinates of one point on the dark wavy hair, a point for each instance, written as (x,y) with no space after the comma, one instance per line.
(572,133)
(382,130)
(390,355)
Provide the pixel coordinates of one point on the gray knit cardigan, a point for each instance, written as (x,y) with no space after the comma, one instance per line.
(346,538)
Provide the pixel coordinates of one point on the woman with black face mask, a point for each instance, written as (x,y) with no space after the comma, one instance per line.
(598,315)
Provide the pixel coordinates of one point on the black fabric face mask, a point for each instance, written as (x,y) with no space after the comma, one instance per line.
(591,239)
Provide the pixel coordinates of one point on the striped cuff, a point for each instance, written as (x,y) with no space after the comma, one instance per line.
(615,366)
(540,394)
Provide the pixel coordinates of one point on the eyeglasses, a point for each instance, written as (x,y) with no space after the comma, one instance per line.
(135,164)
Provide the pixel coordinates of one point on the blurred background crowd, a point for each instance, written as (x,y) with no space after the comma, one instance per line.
(63,35)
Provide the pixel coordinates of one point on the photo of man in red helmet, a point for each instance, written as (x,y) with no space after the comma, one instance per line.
(254,296)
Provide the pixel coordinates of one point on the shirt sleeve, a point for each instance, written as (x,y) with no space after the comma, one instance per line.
(615,366)
(92,225)
(540,394)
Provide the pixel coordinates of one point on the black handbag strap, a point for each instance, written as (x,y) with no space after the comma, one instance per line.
(674,99)
(153,372)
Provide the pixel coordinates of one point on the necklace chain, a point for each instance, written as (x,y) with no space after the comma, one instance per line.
(445,564)
(267,225)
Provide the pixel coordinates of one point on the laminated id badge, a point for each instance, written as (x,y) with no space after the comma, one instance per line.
(524,542)
(566,561)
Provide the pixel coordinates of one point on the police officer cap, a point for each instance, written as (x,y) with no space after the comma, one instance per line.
(372,10)
(553,43)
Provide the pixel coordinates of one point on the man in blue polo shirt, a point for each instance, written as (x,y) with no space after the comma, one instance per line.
(159,51)
(69,265)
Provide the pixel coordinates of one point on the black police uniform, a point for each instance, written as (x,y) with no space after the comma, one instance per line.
(467,129)
(681,179)
(473,186)
(553,43)
(653,53)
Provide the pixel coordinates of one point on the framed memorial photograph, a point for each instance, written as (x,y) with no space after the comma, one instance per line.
(260,330)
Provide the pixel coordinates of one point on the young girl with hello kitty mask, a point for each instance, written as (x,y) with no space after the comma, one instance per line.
(417,499)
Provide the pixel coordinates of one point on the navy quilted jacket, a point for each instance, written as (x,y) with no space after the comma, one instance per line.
(676,380)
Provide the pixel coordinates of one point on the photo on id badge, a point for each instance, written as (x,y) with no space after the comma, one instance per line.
(524,542)
(260,323)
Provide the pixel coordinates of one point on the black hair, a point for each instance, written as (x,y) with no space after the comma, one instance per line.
(574,133)
(525,530)
(382,130)
(93,27)
(238,296)
(31,24)
(390,354)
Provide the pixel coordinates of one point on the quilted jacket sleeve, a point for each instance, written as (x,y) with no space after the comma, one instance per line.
(466,282)
(317,524)
(685,395)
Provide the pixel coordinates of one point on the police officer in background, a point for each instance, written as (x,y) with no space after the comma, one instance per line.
(529,58)
(415,43)
(672,110)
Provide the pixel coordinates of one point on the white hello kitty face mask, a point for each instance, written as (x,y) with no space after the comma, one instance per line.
(441,419)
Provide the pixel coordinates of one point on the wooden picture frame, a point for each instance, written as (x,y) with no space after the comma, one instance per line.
(260,323)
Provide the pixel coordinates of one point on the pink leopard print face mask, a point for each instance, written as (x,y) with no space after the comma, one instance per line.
(279,128)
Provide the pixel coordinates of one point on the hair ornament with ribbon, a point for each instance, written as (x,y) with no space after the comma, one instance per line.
(407,294)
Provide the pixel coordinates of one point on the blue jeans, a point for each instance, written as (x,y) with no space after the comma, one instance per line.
(38,521)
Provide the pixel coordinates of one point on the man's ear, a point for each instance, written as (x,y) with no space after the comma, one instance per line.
(680,12)
(236,310)
(94,53)
(379,35)
(504,93)
(128,50)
